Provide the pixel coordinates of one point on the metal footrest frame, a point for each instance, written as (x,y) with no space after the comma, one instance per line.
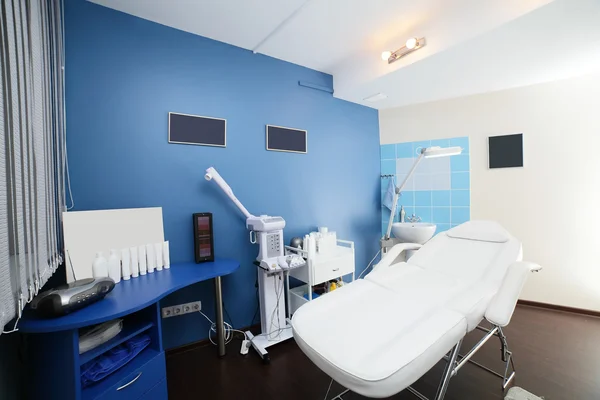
(455,361)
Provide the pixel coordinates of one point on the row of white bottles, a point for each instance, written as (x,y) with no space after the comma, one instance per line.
(132,261)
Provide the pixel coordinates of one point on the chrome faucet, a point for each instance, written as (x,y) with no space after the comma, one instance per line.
(413,218)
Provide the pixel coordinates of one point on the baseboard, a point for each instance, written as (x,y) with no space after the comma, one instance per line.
(204,342)
(559,308)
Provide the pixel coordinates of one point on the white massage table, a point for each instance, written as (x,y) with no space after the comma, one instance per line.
(378,335)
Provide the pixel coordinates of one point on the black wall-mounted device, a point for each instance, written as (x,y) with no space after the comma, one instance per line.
(505,151)
(195,129)
(287,139)
(204,246)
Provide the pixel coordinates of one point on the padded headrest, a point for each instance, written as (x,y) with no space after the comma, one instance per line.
(483,231)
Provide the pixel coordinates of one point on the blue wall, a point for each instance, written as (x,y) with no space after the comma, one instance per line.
(124,74)
(439,190)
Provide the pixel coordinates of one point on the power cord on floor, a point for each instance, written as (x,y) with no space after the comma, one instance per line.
(227,328)
(328,389)
(278,331)
(371,262)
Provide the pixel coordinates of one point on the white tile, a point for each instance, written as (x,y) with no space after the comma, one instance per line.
(410,185)
(439,165)
(422,182)
(424,166)
(403,165)
(440,181)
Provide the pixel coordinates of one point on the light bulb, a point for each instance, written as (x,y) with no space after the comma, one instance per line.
(386,55)
(411,43)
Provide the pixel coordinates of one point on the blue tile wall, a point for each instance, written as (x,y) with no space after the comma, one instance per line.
(404,150)
(440,190)
(388,152)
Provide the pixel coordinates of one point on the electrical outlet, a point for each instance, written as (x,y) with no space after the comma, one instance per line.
(181,309)
(196,306)
(177,310)
(167,312)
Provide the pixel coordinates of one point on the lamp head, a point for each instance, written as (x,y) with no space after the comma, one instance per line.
(436,151)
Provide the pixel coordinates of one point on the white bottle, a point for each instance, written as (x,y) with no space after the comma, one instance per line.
(125,264)
(158,256)
(135,268)
(114,266)
(142,259)
(151,260)
(165,252)
(100,266)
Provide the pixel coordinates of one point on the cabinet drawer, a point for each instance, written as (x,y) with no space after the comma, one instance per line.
(140,380)
(328,269)
(158,392)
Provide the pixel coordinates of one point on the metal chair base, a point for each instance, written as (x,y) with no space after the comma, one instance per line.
(455,361)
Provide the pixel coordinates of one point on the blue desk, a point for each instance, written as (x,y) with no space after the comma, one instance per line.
(54,343)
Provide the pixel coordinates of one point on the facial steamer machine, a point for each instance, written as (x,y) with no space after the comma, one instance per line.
(267,231)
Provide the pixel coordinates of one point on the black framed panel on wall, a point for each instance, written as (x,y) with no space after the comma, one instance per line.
(505,151)
(198,130)
(289,140)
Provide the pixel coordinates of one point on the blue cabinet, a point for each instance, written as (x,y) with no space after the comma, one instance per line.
(53,344)
(142,374)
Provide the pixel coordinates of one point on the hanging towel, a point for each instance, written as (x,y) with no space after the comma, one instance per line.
(388,199)
(104,365)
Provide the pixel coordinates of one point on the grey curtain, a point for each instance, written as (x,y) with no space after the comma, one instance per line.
(32,149)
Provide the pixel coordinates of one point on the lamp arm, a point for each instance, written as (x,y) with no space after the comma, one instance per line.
(397,195)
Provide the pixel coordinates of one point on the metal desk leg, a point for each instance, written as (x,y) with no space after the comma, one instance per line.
(219,315)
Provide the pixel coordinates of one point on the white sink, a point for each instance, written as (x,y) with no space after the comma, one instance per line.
(417,232)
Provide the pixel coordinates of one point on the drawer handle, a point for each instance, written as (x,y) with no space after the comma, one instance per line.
(335,270)
(130,383)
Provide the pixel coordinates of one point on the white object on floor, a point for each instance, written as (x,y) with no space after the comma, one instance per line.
(517,393)
(114,266)
(87,232)
(267,231)
(453,282)
(413,232)
(245,347)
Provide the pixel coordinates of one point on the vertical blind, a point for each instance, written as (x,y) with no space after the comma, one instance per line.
(32,149)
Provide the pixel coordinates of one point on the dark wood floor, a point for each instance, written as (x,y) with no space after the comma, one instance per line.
(557,355)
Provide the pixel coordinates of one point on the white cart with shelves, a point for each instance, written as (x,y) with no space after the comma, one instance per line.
(319,269)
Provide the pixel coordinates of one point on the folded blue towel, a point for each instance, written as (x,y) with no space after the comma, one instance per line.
(104,365)
(388,199)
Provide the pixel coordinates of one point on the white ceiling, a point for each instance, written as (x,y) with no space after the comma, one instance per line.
(473,46)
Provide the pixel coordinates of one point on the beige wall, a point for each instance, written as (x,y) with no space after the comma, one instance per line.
(553,203)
